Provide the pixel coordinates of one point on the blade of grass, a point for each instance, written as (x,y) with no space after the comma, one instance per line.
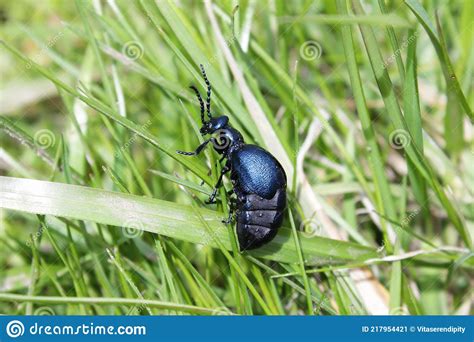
(117,262)
(411,110)
(303,274)
(393,41)
(381,188)
(440,47)
(308,200)
(386,89)
(158,216)
(335,19)
(169,12)
(183,182)
(191,309)
(189,163)
(235,265)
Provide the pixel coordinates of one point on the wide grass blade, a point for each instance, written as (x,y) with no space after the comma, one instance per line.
(412,112)
(161,217)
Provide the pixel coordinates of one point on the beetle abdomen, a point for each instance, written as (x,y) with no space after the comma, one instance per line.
(265,218)
(257,171)
(251,237)
(258,219)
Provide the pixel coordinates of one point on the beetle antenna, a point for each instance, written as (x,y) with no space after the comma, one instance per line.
(209,90)
(201,103)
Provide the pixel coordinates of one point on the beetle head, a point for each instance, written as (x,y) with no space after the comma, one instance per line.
(214,124)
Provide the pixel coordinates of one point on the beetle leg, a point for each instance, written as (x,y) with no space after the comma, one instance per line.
(229,218)
(198,150)
(212,198)
(232,206)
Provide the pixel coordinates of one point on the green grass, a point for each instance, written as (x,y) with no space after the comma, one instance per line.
(368,106)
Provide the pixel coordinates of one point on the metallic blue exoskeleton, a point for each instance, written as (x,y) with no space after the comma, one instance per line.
(258,179)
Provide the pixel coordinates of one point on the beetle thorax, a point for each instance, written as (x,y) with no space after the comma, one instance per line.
(227,140)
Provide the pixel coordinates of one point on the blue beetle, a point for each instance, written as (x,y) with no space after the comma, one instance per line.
(258,179)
